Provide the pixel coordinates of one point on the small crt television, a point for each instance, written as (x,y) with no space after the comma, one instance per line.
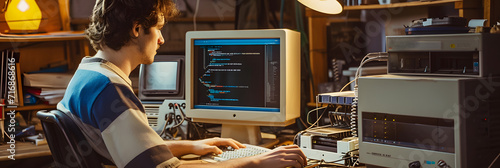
(163,79)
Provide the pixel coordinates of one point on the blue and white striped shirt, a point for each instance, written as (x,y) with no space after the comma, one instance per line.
(101,101)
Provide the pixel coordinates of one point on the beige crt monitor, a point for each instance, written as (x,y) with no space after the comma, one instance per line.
(243,79)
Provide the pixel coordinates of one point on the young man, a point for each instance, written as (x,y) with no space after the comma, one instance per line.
(101,101)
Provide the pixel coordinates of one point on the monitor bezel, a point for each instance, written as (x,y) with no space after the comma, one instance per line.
(289,108)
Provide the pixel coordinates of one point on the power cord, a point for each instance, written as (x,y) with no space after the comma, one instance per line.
(309,113)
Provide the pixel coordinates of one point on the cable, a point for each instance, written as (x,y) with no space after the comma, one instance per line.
(346,85)
(356,162)
(378,56)
(281,12)
(182,116)
(7,135)
(165,125)
(335,115)
(354,116)
(317,106)
(312,125)
(308,113)
(303,123)
(189,122)
(332,163)
(494,161)
(196,13)
(182,111)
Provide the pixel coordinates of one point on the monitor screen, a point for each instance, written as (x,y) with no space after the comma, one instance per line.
(243,79)
(163,79)
(237,74)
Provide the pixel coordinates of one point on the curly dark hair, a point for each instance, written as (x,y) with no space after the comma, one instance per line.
(112,20)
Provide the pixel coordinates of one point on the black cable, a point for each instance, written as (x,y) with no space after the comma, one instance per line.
(322,163)
(190,122)
(352,150)
(282,9)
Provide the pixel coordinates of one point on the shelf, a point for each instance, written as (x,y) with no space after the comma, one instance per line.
(202,19)
(33,107)
(398,5)
(173,20)
(43,37)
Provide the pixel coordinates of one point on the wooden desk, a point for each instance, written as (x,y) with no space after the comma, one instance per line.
(24,150)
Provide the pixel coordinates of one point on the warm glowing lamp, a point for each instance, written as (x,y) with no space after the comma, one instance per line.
(323,6)
(23,15)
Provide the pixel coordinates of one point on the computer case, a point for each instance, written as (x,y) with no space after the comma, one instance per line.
(431,121)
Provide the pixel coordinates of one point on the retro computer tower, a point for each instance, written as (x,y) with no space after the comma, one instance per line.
(408,121)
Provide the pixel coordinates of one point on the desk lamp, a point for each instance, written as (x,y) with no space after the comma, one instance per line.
(323,6)
(24,15)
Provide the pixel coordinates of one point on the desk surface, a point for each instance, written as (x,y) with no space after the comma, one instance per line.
(24,150)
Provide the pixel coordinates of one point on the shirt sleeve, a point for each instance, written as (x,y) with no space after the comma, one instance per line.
(125,130)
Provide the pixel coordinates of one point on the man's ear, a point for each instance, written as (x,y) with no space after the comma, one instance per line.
(135,29)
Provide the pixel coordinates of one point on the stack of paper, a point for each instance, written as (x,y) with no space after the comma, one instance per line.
(49,87)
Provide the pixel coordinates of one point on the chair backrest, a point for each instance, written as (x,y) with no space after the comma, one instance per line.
(67,143)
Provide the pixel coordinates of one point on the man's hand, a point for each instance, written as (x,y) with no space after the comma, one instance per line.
(283,156)
(206,146)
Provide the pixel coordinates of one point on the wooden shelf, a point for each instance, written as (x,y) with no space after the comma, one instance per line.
(44,37)
(33,107)
(173,20)
(202,19)
(398,5)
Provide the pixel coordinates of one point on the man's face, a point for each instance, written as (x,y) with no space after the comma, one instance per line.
(149,43)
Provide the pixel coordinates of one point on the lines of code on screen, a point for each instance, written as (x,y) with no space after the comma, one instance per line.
(237,74)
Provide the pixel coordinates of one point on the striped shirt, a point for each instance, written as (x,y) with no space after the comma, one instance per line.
(101,101)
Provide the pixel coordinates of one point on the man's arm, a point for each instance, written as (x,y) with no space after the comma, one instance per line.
(201,147)
(285,156)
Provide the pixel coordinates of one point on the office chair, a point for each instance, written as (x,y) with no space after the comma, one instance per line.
(68,145)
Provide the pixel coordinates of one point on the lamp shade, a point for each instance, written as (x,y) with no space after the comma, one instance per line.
(23,15)
(323,6)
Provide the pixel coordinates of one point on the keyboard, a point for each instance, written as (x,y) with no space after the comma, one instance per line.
(230,153)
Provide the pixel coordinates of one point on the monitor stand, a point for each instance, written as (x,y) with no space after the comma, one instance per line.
(249,134)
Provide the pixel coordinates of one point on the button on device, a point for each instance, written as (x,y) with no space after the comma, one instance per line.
(415,164)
